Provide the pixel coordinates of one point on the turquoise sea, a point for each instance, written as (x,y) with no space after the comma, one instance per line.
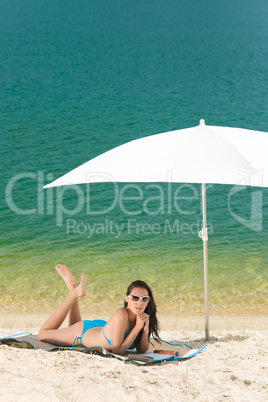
(81,77)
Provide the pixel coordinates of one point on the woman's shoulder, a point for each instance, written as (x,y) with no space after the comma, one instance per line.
(120,315)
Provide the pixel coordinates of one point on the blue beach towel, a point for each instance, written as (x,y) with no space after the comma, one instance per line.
(167,349)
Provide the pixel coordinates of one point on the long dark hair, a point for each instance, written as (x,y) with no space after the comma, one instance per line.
(150,310)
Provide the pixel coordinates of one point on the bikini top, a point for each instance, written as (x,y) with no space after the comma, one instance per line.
(126,334)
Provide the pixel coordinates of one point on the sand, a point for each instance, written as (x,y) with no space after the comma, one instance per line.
(233,367)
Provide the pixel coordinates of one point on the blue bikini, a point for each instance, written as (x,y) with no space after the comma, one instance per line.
(126,334)
(88,324)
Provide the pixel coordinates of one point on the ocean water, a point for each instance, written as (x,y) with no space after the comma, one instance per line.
(81,77)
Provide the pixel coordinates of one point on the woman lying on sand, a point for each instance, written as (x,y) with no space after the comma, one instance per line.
(129,327)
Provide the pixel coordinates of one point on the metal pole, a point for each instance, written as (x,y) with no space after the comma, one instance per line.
(204,236)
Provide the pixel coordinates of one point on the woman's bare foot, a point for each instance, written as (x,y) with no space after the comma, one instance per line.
(67,276)
(79,290)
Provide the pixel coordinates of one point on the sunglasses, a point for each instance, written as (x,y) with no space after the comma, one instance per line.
(144,299)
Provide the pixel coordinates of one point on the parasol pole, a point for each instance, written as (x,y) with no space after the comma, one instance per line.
(204,236)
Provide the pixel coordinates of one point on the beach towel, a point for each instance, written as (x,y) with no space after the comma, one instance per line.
(158,351)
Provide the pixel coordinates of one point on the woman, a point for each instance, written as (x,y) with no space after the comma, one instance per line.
(129,327)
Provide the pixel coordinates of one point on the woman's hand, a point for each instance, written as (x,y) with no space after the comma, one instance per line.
(142,321)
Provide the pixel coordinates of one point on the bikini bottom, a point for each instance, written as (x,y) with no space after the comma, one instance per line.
(88,324)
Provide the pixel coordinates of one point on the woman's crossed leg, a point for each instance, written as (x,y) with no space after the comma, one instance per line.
(50,331)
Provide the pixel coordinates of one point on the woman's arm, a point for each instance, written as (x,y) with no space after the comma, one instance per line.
(119,324)
(144,341)
(142,324)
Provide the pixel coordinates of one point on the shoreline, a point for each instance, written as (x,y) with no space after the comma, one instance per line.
(28,322)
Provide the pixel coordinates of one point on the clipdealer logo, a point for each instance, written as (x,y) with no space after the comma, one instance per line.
(151,200)
(131,199)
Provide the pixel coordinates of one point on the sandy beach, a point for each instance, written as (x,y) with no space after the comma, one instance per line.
(233,367)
